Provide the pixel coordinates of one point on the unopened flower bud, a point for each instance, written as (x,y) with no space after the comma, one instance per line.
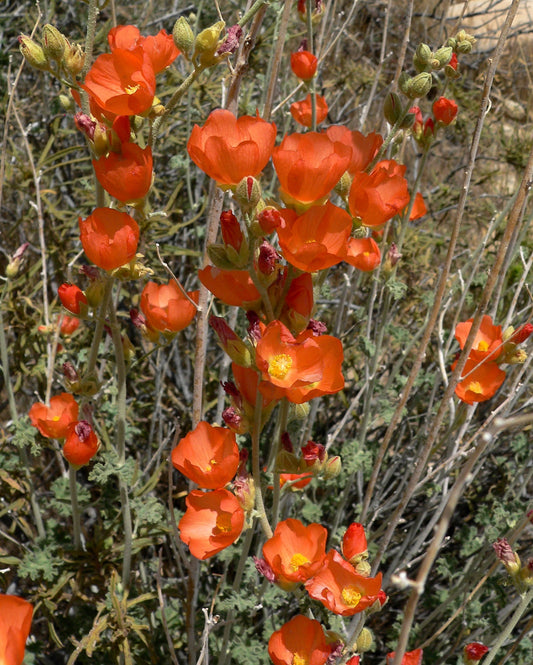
(520,335)
(362,568)
(344,185)
(441,57)
(287,462)
(518,357)
(183,36)
(53,43)
(206,43)
(507,556)
(354,544)
(365,640)
(392,109)
(244,489)
(422,58)
(268,259)
(269,219)
(299,411)
(248,193)
(233,345)
(404,82)
(33,53)
(474,652)
(13,266)
(219,257)
(332,467)
(73,58)
(420,85)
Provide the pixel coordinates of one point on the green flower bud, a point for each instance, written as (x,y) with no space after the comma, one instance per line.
(33,53)
(404,82)
(422,58)
(420,85)
(206,43)
(392,109)
(365,640)
(53,43)
(442,57)
(183,36)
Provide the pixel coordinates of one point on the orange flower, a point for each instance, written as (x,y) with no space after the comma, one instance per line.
(364,148)
(309,166)
(109,237)
(69,325)
(81,444)
(409,658)
(331,380)
(482,382)
(212,522)
(301,641)
(53,421)
(340,589)
(15,624)
(122,82)
(234,287)
(317,239)
(444,110)
(286,363)
(378,196)
(295,552)
(160,48)
(302,111)
(295,481)
(166,308)
(487,342)
(363,254)
(299,302)
(126,175)
(304,64)
(228,148)
(419,208)
(354,543)
(73,299)
(209,456)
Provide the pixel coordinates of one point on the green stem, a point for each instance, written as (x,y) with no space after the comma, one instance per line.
(89,44)
(235,587)
(120,443)
(172,102)
(283,417)
(256,468)
(76,516)
(522,607)
(388,140)
(309,22)
(252,12)
(99,329)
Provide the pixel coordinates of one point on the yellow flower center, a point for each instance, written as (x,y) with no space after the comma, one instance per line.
(298,659)
(55,418)
(298,560)
(224,522)
(351,596)
(209,466)
(131,89)
(483,346)
(279,365)
(475,387)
